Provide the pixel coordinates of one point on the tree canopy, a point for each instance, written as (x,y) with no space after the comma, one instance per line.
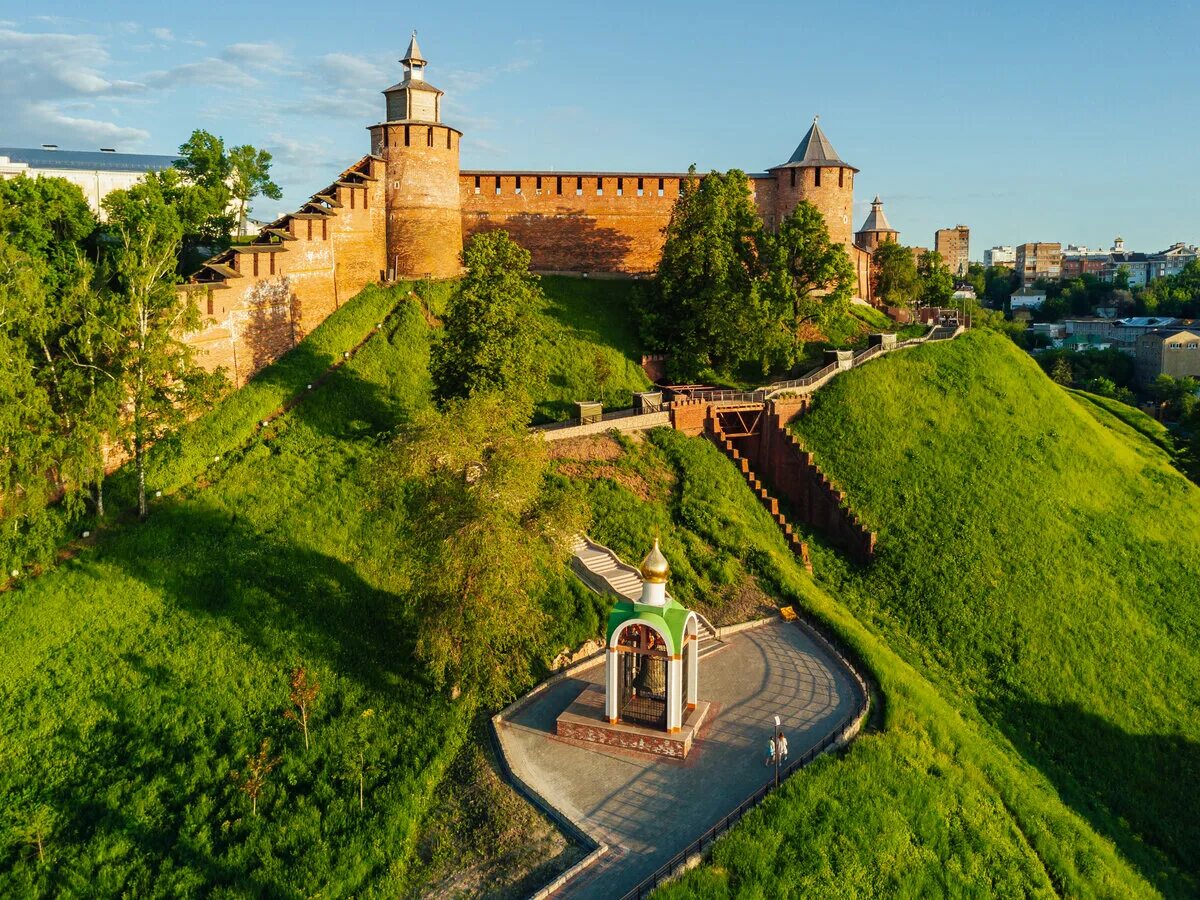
(489,342)
(896,280)
(160,381)
(477,523)
(250,177)
(211,188)
(819,277)
(729,293)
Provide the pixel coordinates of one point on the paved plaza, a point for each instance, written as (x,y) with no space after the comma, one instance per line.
(647,809)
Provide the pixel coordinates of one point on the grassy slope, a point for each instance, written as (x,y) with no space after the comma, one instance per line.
(590,327)
(930,806)
(139,674)
(1041,560)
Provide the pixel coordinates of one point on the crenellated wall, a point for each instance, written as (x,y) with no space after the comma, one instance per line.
(613,222)
(260,299)
(575,221)
(424,220)
(829,189)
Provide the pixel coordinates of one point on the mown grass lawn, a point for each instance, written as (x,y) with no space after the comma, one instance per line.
(137,676)
(1040,558)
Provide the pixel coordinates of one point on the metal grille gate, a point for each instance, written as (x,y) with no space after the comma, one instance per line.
(644,690)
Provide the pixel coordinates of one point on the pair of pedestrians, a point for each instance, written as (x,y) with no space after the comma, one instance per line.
(777,744)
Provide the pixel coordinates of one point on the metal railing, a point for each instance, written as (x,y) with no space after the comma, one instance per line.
(676,863)
(720,396)
(805,381)
(873,350)
(610,416)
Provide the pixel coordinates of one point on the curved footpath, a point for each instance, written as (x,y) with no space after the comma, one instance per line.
(643,810)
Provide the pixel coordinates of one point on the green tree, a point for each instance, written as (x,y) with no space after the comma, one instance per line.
(936,280)
(476,522)
(977,278)
(710,309)
(1174,295)
(1061,373)
(1121,280)
(490,339)
(1105,387)
(70,329)
(250,177)
(896,280)
(161,384)
(27,438)
(818,278)
(360,753)
(1176,396)
(34,828)
(1000,283)
(198,189)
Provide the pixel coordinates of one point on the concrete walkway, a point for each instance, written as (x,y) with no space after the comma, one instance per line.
(648,809)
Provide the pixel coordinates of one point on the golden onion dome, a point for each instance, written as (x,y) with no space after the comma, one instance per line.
(655,568)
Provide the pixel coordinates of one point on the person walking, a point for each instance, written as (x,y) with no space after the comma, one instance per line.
(781,741)
(770,761)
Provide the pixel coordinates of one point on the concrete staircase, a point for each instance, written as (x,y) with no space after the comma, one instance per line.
(606,573)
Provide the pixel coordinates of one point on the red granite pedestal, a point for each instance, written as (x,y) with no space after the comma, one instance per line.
(584,720)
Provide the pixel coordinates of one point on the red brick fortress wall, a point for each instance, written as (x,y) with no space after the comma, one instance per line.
(576,221)
(833,196)
(273,293)
(424,221)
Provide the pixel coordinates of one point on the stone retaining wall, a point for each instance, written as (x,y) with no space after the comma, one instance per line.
(625,425)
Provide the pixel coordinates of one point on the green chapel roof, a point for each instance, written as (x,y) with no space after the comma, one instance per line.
(670,619)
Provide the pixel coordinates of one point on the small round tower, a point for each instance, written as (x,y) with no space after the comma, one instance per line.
(424,215)
(817,174)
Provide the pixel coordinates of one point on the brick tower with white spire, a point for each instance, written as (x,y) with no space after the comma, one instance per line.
(424,213)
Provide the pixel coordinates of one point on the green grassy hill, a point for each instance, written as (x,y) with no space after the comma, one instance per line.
(1027,624)
(933,803)
(1032,620)
(593,351)
(138,675)
(1042,559)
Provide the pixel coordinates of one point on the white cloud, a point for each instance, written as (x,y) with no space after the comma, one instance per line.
(463,81)
(43,75)
(49,120)
(351,71)
(163,34)
(259,56)
(210,71)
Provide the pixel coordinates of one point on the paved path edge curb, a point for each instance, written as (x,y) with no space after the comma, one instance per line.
(596,849)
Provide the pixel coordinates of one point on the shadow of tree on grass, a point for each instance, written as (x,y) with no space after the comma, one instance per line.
(1138,790)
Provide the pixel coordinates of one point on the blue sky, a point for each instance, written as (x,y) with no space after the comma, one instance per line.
(1026,121)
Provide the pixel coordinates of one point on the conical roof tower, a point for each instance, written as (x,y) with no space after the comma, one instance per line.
(815,150)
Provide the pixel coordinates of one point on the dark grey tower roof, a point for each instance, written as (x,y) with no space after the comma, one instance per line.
(815,150)
(877,221)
